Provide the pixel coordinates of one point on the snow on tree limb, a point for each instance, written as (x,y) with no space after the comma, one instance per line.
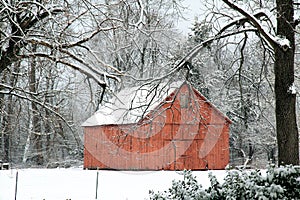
(90,71)
(20,21)
(241,21)
(188,57)
(273,41)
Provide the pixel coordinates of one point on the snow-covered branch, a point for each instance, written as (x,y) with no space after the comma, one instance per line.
(254,20)
(188,57)
(90,72)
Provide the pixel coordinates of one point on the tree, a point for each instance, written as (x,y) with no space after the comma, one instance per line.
(26,23)
(286,124)
(284,49)
(281,42)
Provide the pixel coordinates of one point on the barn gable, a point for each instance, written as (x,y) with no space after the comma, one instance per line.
(179,130)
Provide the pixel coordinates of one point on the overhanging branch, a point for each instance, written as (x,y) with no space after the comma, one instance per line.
(196,49)
(88,72)
(253,20)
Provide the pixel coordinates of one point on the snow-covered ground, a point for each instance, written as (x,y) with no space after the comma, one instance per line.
(76,183)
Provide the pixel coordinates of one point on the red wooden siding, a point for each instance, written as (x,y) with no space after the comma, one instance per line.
(187,132)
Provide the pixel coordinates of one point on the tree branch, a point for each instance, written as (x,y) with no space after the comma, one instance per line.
(94,74)
(253,20)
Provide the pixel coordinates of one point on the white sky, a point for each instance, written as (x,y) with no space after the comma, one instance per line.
(194,10)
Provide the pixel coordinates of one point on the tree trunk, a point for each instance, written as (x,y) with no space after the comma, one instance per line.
(287,131)
(8,130)
(36,125)
(28,140)
(48,130)
(2,119)
(7,126)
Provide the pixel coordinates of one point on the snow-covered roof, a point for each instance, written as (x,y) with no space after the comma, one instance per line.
(131,104)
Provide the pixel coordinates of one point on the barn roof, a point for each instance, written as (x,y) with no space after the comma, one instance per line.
(130,105)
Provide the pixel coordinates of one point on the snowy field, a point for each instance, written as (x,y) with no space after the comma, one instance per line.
(76,183)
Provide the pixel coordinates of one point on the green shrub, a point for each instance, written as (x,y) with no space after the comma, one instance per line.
(277,183)
(188,188)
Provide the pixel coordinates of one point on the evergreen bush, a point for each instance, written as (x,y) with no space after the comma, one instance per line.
(276,183)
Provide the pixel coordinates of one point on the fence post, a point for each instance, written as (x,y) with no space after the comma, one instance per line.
(16,187)
(97,184)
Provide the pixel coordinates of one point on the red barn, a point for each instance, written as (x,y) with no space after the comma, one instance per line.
(162,127)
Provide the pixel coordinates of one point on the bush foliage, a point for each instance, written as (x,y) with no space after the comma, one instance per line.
(276,183)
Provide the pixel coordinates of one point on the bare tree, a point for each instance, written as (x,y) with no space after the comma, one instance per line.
(50,26)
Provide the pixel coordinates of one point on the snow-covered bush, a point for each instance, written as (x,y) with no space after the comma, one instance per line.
(188,188)
(276,183)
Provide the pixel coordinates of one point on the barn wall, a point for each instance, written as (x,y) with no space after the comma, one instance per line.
(173,137)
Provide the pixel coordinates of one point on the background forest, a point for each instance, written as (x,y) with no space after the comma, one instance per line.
(61,59)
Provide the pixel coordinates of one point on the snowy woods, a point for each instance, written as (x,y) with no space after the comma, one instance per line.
(60,59)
